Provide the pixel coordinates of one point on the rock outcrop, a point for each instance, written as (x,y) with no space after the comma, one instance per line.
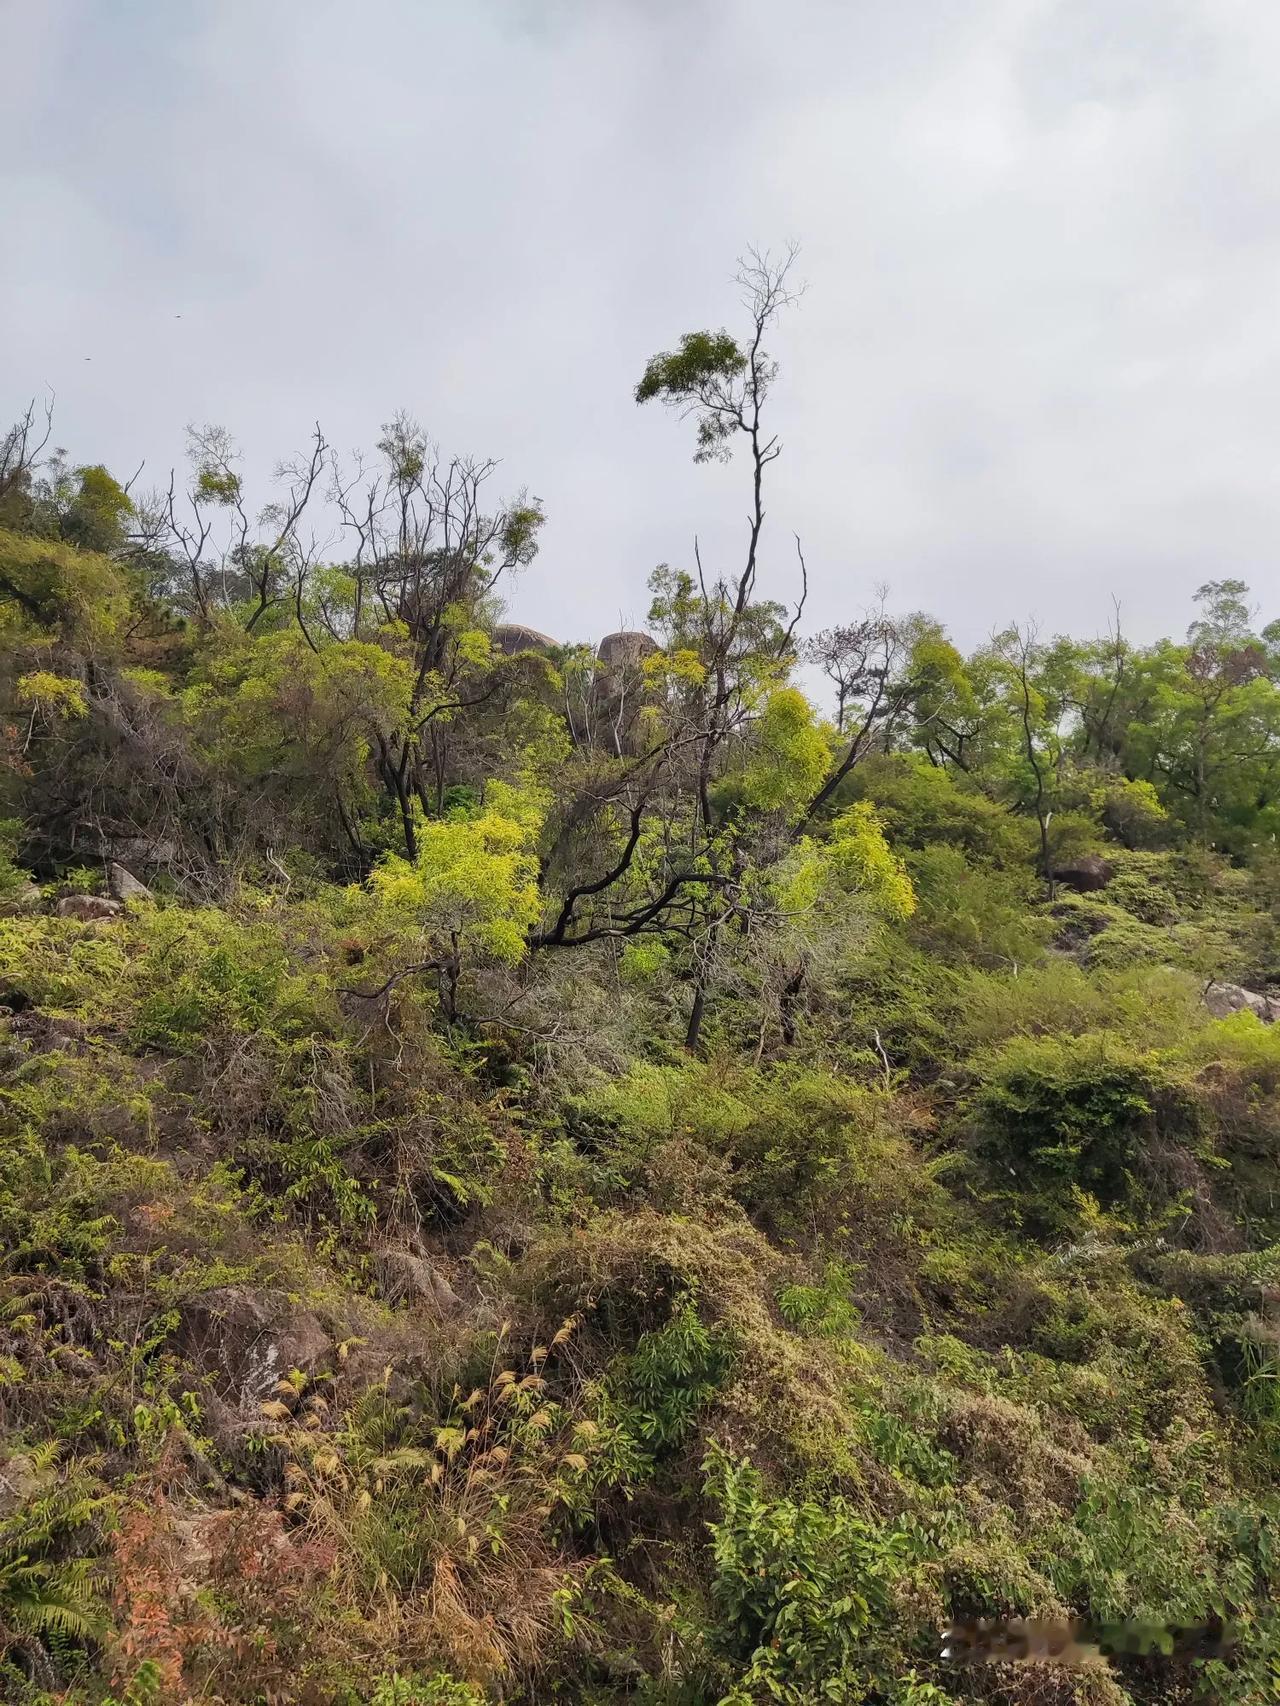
(247,1340)
(122,885)
(509,638)
(1085,873)
(1225,998)
(90,908)
(625,650)
(405,1277)
(140,852)
(618,688)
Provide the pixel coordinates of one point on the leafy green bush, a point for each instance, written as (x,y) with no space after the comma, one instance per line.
(196,974)
(923,806)
(1063,1112)
(975,914)
(670,1377)
(797,1585)
(438,1690)
(824,1309)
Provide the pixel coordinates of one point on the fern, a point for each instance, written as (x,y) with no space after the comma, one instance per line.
(51,1589)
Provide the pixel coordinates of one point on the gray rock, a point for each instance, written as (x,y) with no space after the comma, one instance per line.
(21,901)
(1224,998)
(1087,872)
(140,850)
(404,1277)
(88,907)
(248,1340)
(625,649)
(512,637)
(618,690)
(124,886)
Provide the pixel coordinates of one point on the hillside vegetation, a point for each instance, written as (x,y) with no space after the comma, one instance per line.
(592,1177)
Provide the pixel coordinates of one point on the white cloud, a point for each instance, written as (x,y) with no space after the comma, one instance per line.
(1036,364)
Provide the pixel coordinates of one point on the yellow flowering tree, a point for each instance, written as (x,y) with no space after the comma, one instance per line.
(790,757)
(470,896)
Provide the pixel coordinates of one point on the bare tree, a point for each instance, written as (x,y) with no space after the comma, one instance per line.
(250,561)
(865,661)
(427,543)
(23,445)
(426,537)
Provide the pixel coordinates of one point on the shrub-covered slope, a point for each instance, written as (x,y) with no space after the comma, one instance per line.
(343,1352)
(536,1174)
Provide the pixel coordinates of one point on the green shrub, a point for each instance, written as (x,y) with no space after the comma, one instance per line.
(823,1309)
(797,1586)
(1140,886)
(437,1690)
(972,913)
(670,1377)
(1067,1112)
(897,1001)
(922,806)
(200,973)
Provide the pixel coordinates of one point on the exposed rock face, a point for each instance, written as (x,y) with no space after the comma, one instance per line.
(627,649)
(248,1340)
(404,1277)
(512,637)
(124,886)
(89,907)
(1224,998)
(20,1480)
(21,901)
(1087,872)
(141,851)
(617,692)
(613,694)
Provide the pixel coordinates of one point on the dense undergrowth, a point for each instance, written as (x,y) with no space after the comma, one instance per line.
(744,1374)
(576,1185)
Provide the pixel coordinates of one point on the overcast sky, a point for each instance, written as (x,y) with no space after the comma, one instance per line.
(1038,362)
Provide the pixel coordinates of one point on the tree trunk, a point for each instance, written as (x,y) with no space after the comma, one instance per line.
(694,1030)
(787,1006)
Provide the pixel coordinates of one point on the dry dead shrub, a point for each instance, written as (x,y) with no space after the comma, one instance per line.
(623,1272)
(493,1615)
(1045,1685)
(1005,1450)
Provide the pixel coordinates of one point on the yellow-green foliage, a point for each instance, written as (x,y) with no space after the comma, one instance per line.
(168,978)
(971,912)
(52,695)
(863,862)
(823,1229)
(1132,810)
(64,967)
(281,697)
(473,887)
(78,593)
(904,1402)
(790,755)
(798,1144)
(921,805)
(813,885)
